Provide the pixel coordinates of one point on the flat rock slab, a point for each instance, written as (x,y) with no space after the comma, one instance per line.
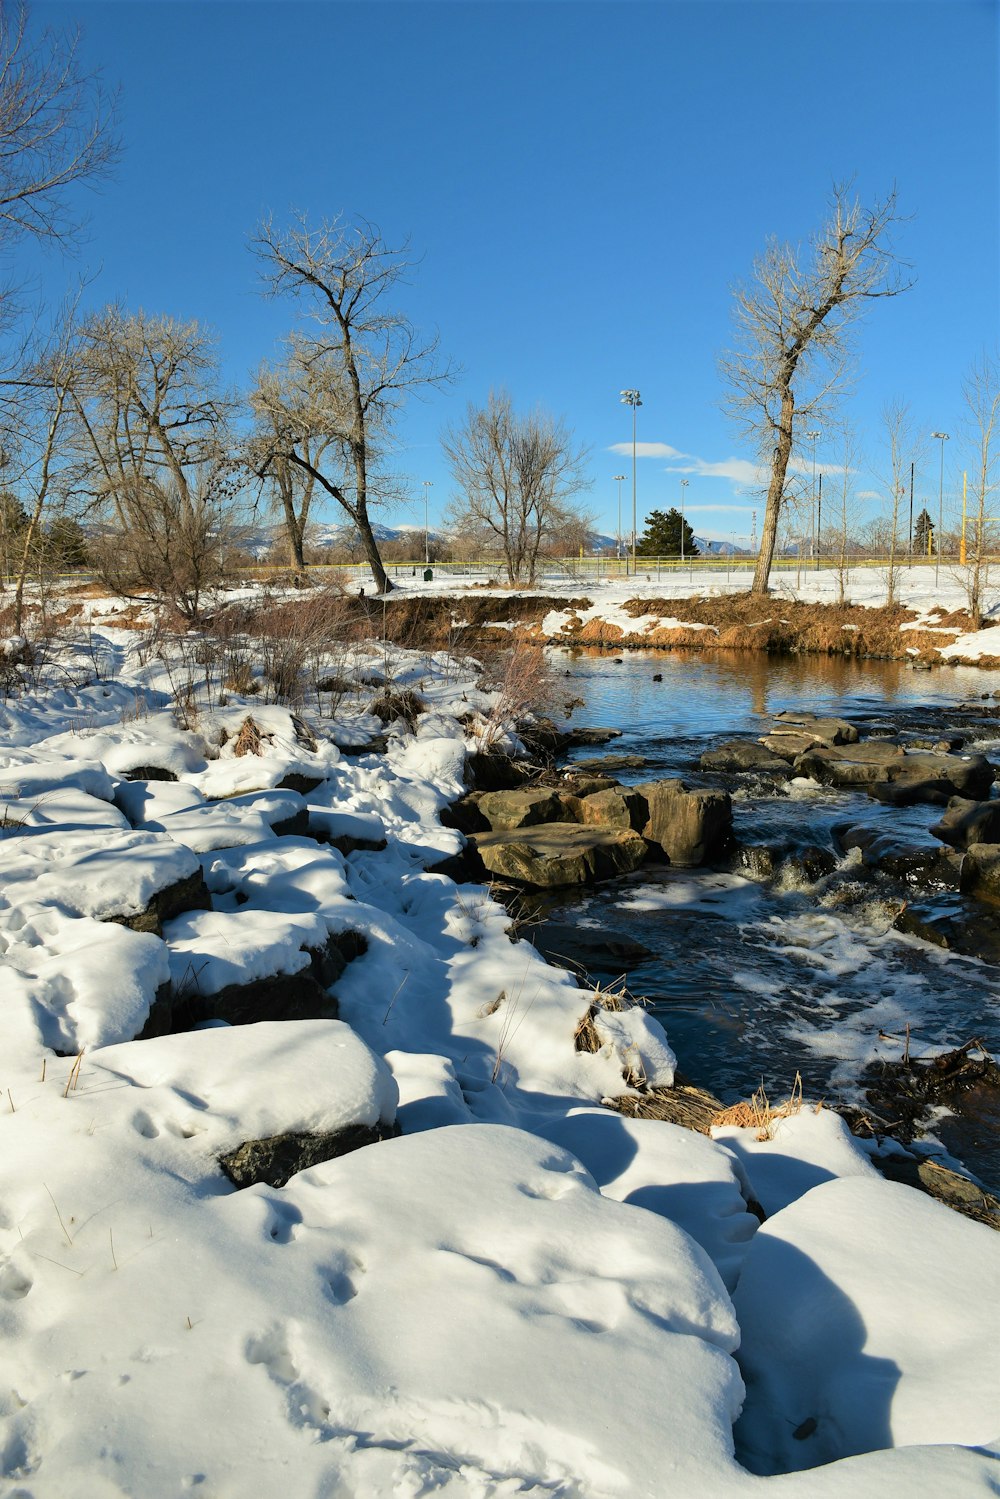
(744,754)
(823,730)
(608,764)
(560,853)
(881,761)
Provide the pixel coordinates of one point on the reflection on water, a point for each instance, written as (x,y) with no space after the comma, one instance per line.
(757,981)
(729,691)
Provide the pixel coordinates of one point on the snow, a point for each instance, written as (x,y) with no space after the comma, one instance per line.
(526,1292)
(879,1348)
(798,1153)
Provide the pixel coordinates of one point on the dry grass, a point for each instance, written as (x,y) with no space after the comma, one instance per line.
(250,740)
(758,1114)
(693,1108)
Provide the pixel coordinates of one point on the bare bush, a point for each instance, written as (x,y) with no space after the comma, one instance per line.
(523,683)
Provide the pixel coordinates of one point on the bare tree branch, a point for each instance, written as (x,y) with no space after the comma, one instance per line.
(793,335)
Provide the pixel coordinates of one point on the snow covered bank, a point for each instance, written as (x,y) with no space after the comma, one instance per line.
(524,1293)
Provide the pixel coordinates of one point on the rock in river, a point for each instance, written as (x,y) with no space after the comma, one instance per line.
(561,853)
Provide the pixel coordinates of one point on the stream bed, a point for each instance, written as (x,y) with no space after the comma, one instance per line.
(756,980)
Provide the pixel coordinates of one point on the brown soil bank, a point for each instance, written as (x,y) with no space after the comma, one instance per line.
(730,622)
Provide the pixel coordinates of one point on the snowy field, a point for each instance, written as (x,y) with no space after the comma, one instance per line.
(521,1293)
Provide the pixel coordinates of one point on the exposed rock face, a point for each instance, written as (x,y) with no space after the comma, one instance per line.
(615,807)
(281,996)
(967,822)
(277,1159)
(593,836)
(690,827)
(954,922)
(903,858)
(981,870)
(561,853)
(744,754)
(190,894)
(507,810)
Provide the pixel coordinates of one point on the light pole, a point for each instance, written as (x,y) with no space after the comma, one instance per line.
(633,399)
(942,437)
(428,484)
(619,480)
(684,485)
(813,437)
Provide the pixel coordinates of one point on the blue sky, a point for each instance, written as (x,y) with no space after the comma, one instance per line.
(583,182)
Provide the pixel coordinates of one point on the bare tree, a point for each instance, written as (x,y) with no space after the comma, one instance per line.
(55,129)
(516,477)
(981,393)
(901,450)
(156,453)
(843,513)
(330,411)
(793,327)
(284,401)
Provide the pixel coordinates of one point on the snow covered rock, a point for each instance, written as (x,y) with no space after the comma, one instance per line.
(860,1308)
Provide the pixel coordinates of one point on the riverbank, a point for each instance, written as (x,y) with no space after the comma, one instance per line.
(308,1186)
(929,624)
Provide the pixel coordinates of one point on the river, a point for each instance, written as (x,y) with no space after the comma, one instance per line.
(757,980)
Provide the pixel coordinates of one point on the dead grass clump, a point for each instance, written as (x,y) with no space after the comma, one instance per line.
(600,632)
(758,1114)
(673,637)
(393,704)
(692,1108)
(251,739)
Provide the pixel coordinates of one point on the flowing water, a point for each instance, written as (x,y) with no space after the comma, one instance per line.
(755,981)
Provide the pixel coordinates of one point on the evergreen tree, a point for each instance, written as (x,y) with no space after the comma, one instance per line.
(924,539)
(662,536)
(66,543)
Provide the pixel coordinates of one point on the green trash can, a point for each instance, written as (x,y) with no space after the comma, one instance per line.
(428,575)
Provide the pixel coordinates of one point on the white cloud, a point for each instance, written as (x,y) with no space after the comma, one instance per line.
(739,470)
(646,450)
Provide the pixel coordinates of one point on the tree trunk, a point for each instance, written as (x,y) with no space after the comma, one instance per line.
(775,494)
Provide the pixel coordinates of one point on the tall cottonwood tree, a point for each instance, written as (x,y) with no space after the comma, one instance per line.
(793,336)
(981,393)
(329,410)
(156,453)
(516,477)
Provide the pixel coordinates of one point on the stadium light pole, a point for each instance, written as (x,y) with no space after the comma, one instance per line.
(813,437)
(633,399)
(619,480)
(942,438)
(684,485)
(428,485)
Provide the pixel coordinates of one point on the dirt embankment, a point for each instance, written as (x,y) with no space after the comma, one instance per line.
(730,622)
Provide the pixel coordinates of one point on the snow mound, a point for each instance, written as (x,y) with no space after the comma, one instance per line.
(861,1315)
(803,1150)
(92,873)
(382,1325)
(667,1170)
